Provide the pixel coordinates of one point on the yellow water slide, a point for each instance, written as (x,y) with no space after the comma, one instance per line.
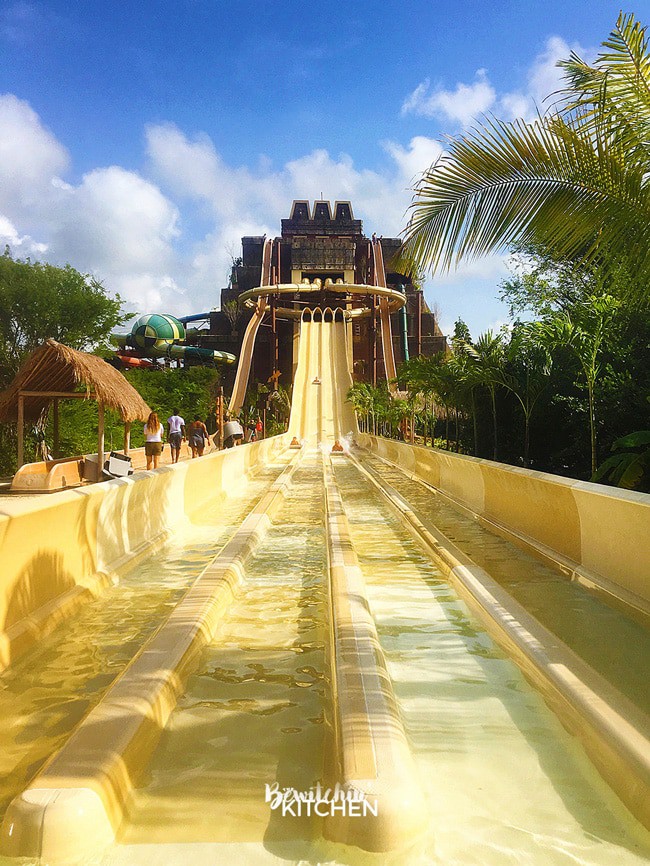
(248,344)
(319,410)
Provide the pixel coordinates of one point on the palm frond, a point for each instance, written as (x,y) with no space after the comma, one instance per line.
(533,183)
(616,88)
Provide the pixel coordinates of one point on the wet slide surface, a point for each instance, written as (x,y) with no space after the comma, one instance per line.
(609,641)
(49,690)
(320,412)
(505,784)
(252,714)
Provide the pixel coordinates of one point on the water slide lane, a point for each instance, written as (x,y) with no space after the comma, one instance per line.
(347,416)
(298,415)
(327,417)
(306,409)
(505,783)
(47,691)
(320,411)
(253,713)
(248,343)
(334,397)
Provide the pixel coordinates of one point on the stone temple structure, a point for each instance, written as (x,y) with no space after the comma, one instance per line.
(320,242)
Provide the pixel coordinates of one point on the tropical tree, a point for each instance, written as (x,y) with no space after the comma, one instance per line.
(412,377)
(584,331)
(629,466)
(361,398)
(278,404)
(234,313)
(488,357)
(38,300)
(526,371)
(574,182)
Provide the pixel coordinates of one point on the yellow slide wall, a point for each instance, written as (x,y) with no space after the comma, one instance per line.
(601,535)
(55,550)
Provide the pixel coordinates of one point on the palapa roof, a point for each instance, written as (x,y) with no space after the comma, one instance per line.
(55,367)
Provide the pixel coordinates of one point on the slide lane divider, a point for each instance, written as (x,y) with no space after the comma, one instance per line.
(71,810)
(614,733)
(371,748)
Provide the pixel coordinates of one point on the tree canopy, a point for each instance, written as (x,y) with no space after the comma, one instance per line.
(39,300)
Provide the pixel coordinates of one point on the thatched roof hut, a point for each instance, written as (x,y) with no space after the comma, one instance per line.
(55,370)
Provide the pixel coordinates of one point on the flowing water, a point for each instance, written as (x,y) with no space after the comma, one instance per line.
(505,784)
(52,687)
(612,643)
(252,714)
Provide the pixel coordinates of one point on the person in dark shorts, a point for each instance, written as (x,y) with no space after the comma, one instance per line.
(175,434)
(197,436)
(153,433)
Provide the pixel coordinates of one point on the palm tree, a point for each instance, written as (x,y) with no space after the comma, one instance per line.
(574,182)
(527,369)
(584,332)
(360,396)
(488,355)
(412,377)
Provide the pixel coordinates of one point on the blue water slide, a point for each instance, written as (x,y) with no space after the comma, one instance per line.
(196,317)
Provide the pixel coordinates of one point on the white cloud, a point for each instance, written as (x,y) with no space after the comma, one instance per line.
(543,80)
(207,270)
(516,105)
(149,292)
(545,76)
(192,169)
(493,267)
(30,157)
(461,105)
(421,153)
(116,221)
(466,102)
(22,245)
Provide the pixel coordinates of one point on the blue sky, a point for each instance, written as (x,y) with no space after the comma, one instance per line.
(140,140)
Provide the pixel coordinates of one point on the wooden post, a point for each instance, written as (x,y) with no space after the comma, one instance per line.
(55,426)
(220,418)
(274,337)
(100,440)
(127,437)
(373,320)
(271,303)
(419,332)
(21,430)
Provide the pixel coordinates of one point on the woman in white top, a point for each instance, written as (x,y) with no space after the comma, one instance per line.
(153,433)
